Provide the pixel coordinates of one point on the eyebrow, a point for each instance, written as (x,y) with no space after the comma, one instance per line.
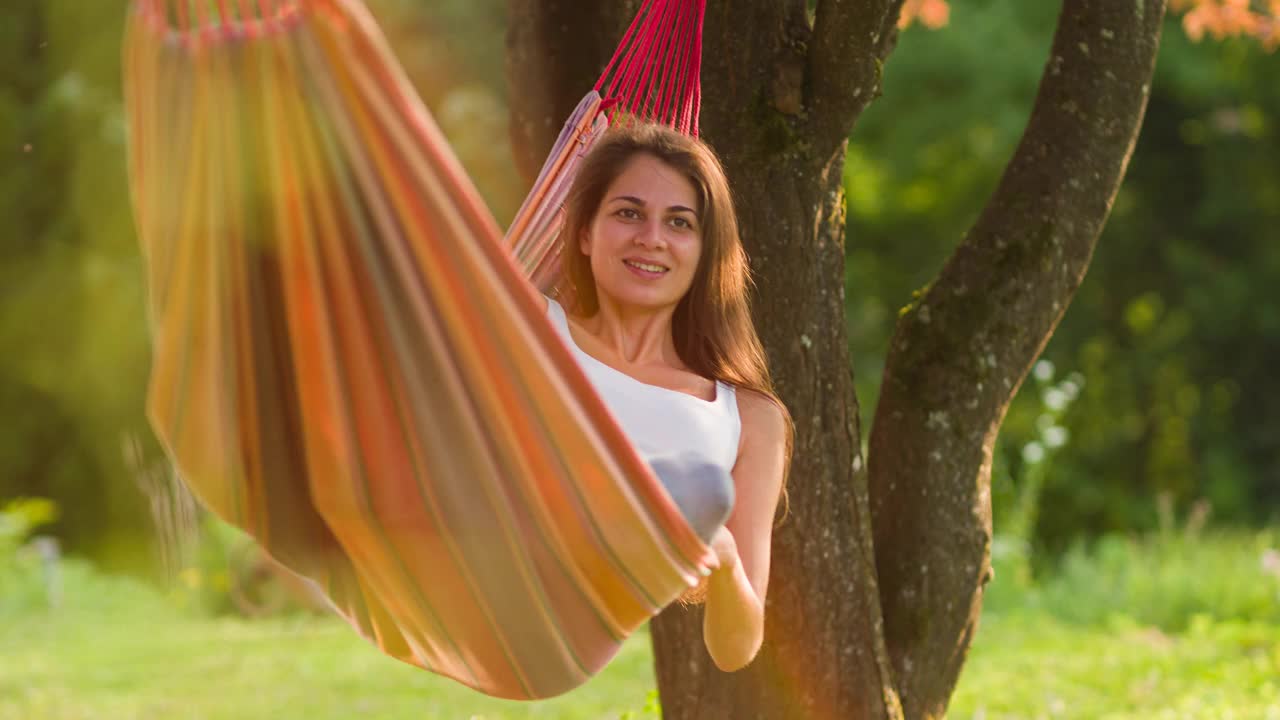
(637,201)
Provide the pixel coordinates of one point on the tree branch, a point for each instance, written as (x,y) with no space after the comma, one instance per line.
(851,39)
(960,353)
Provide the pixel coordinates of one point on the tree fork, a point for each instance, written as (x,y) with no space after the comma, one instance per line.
(783,94)
(959,354)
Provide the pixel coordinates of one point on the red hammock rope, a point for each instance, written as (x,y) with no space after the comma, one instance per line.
(655,74)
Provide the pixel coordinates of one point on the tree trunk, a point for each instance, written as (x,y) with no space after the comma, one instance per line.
(783,90)
(960,353)
(822,656)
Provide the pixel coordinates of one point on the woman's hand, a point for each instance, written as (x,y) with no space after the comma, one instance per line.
(733,626)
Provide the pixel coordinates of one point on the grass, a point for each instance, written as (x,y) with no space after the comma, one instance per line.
(1030,665)
(1168,580)
(117,649)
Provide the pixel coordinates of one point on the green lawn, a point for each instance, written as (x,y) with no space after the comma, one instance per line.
(118,650)
(1032,666)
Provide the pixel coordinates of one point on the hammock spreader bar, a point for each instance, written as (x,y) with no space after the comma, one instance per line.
(348,364)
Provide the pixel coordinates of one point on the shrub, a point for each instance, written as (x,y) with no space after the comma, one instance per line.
(24,573)
(1168,579)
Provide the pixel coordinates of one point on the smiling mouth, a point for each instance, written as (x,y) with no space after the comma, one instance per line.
(647,267)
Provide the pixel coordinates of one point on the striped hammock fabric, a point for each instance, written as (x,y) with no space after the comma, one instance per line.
(349,364)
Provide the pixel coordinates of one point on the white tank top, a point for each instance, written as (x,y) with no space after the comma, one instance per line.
(661,422)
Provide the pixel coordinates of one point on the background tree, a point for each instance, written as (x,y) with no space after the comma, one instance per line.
(860,628)
(1174,319)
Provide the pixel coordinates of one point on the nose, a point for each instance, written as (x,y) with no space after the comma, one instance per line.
(650,236)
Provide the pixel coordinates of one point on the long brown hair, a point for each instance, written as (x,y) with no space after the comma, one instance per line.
(711,326)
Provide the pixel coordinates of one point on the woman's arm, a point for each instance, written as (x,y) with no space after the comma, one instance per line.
(733,627)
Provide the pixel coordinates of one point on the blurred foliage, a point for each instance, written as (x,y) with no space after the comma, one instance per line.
(1176,329)
(1177,325)
(1257,19)
(18,519)
(226,573)
(1168,580)
(23,569)
(1182,574)
(72,325)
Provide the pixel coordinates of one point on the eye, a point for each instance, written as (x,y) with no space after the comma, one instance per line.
(682,222)
(628,213)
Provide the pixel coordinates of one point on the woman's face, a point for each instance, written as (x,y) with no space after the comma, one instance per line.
(646,238)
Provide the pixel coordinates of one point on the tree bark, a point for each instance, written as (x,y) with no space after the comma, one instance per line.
(959,354)
(783,90)
(555,51)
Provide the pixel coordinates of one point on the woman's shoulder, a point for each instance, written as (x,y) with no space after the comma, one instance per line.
(764,419)
(764,449)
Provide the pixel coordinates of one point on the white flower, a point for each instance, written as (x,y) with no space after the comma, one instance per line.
(1043,371)
(1056,436)
(1055,399)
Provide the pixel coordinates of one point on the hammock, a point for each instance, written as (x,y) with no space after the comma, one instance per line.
(348,365)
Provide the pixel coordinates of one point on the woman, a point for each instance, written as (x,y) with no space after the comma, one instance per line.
(660,323)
